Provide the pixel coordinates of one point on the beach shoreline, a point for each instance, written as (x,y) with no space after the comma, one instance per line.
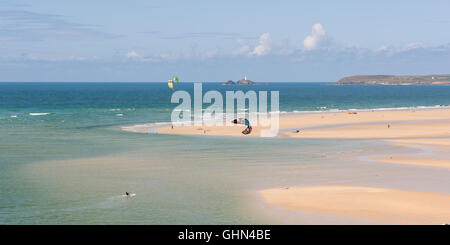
(379,205)
(425,130)
(365,124)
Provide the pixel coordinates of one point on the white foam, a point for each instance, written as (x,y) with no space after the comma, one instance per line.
(119,115)
(38,113)
(374,109)
(145,128)
(151,127)
(13,116)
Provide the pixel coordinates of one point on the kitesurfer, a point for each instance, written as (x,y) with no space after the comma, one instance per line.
(246,122)
(170,82)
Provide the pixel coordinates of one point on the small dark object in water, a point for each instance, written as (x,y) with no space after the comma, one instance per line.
(297,131)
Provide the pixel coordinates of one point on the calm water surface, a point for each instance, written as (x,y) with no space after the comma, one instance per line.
(64,159)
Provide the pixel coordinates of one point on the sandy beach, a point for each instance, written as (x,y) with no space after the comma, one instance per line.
(425,130)
(391,124)
(418,161)
(367,203)
(437,143)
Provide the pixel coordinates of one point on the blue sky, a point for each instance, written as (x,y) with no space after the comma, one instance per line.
(138,41)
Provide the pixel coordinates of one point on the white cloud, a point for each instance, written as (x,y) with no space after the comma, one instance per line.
(390,50)
(211,53)
(411,46)
(317,37)
(132,54)
(382,48)
(264,47)
(243,49)
(385,50)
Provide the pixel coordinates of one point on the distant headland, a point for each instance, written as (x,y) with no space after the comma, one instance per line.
(395,80)
(243,81)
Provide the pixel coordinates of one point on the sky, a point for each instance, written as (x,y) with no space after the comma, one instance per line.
(217,41)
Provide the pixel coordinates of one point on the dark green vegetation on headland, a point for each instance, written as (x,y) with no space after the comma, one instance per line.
(396,80)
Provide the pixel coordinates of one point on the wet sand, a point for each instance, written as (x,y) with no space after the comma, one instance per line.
(383,205)
(427,131)
(418,161)
(437,143)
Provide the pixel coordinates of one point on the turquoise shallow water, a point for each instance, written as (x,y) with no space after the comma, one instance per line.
(71,166)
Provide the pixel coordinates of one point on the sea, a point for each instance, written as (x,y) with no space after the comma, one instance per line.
(64,158)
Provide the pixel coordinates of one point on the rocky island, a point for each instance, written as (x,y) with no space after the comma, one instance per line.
(395,80)
(245,81)
(230,82)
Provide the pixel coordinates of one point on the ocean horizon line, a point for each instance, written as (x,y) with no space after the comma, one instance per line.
(145,82)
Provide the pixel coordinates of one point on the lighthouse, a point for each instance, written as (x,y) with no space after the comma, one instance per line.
(245,81)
